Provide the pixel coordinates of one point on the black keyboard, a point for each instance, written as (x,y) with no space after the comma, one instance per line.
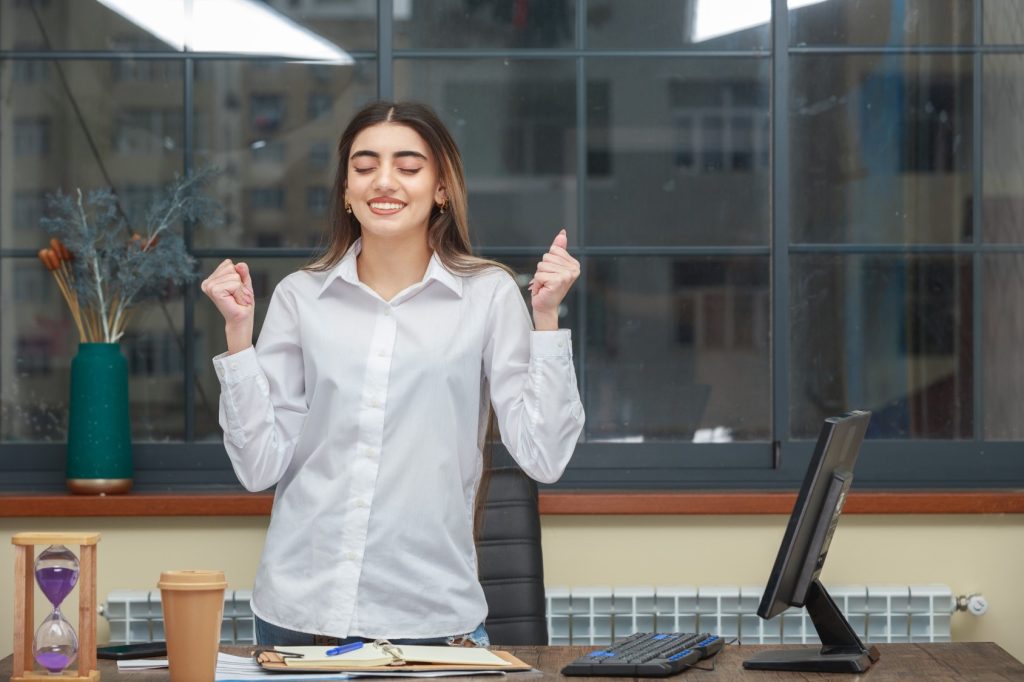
(647,654)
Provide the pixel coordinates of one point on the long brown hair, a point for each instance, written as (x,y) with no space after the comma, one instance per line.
(447,231)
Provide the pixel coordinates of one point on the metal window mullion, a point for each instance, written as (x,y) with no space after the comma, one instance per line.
(385,49)
(780,237)
(188,142)
(977,189)
(581,200)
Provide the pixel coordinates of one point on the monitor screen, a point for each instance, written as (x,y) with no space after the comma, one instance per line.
(794,577)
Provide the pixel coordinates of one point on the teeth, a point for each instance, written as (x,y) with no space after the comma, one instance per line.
(387,207)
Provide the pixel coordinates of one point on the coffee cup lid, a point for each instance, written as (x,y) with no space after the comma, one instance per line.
(192,580)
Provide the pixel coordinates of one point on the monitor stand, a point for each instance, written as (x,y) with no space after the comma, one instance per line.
(841,649)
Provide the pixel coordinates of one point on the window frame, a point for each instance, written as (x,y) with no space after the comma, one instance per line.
(778,464)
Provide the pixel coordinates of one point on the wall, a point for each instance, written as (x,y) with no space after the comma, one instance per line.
(969,553)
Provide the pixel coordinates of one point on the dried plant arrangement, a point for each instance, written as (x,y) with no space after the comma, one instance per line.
(103,268)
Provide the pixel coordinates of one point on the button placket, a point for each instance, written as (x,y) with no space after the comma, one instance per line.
(369,438)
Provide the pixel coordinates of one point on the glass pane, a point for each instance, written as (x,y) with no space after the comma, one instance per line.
(707,24)
(887,333)
(126,131)
(881,22)
(678,151)
(881,149)
(209,333)
(677,349)
(273,127)
(490,25)
(348,24)
(72,25)
(515,124)
(312,30)
(1003,329)
(1003,21)
(40,339)
(1002,205)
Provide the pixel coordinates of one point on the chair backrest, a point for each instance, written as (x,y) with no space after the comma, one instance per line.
(510,562)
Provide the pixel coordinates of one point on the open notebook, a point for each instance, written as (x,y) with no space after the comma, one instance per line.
(384,655)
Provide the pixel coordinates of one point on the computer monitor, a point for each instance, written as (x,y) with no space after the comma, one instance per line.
(794,578)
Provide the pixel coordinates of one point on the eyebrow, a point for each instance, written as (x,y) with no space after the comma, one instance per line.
(367,152)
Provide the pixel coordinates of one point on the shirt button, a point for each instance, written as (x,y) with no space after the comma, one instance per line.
(361,503)
(561,344)
(382,353)
(374,403)
(351,556)
(387,312)
(370,452)
(234,365)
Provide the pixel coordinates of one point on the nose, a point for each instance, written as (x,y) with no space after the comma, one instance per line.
(383,180)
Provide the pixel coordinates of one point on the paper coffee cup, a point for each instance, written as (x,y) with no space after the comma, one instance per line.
(193,604)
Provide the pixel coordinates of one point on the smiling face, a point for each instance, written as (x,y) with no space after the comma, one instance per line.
(392,181)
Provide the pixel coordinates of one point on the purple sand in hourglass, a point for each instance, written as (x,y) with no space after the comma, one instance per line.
(56,582)
(54,661)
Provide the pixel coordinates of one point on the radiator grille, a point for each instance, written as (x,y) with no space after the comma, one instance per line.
(137,616)
(598,615)
(916,613)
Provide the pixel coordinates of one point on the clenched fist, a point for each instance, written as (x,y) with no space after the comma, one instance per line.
(556,272)
(230,289)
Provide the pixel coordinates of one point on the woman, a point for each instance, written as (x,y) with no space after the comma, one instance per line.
(368,394)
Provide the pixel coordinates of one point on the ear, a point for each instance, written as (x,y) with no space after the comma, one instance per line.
(440,195)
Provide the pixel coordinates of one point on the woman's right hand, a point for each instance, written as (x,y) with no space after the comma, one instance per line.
(230,289)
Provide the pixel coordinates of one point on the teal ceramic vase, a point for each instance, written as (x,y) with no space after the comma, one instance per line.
(99,430)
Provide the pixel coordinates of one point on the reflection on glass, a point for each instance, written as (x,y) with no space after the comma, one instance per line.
(209,333)
(310,30)
(40,340)
(272,127)
(1002,205)
(71,25)
(490,25)
(677,349)
(887,333)
(1002,331)
(678,151)
(514,122)
(881,22)
(348,24)
(881,149)
(706,24)
(1003,21)
(105,128)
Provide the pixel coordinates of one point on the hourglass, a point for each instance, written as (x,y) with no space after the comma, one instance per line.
(55,646)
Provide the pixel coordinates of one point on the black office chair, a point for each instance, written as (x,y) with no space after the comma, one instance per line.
(510,562)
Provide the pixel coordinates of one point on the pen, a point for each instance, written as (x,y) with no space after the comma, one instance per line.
(344,648)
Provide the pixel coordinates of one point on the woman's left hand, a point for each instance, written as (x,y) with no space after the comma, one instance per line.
(555,274)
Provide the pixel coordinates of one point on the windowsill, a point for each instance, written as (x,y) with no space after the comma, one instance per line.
(551,503)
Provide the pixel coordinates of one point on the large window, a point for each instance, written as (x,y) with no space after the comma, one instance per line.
(784,209)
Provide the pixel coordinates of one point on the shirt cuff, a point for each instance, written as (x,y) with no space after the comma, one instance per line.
(551,344)
(232,369)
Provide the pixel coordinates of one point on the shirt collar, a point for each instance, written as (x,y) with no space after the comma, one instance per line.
(346,270)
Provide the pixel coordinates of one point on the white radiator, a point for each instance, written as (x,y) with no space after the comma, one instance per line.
(137,616)
(599,615)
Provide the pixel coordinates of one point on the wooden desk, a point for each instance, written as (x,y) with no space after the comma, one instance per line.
(974,661)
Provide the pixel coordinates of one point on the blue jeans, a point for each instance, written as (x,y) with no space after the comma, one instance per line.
(268,634)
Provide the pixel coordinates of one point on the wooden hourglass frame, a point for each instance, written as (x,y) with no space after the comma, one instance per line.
(24,607)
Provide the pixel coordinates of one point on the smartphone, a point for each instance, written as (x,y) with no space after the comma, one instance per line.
(125,651)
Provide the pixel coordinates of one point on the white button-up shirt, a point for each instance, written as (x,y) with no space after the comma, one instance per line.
(369,416)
